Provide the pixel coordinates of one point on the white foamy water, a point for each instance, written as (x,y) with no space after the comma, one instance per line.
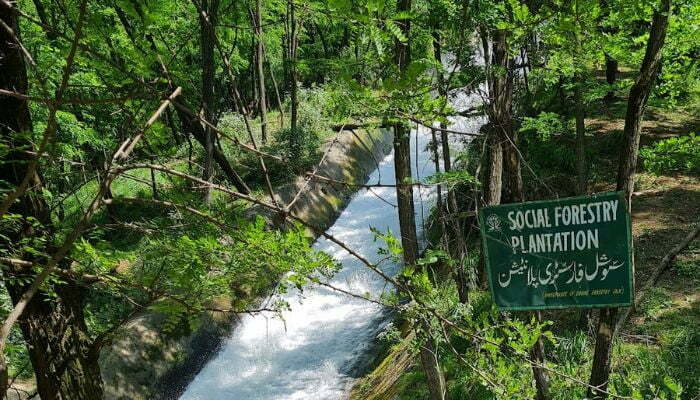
(311,352)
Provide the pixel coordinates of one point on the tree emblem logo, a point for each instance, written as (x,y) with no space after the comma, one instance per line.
(493,223)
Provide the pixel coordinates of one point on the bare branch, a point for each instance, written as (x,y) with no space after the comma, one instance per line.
(663,266)
(234,139)
(281,211)
(51,264)
(78,100)
(302,189)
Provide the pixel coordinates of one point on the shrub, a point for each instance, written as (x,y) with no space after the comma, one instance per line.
(677,154)
(298,147)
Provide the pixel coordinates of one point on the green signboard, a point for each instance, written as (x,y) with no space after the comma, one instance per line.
(574,252)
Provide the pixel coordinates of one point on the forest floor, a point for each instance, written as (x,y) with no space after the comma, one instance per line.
(661,337)
(665,327)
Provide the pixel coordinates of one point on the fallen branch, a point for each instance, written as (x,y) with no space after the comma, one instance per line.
(234,139)
(650,192)
(429,126)
(326,179)
(663,266)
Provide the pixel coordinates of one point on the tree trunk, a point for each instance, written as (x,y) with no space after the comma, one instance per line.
(43,17)
(261,70)
(404,196)
(53,327)
(501,118)
(192,126)
(582,186)
(404,193)
(610,74)
(502,123)
(610,69)
(438,189)
(636,103)
(494,176)
(450,208)
(293,67)
(58,344)
(277,92)
(207,38)
(639,94)
(539,373)
(513,173)
(433,373)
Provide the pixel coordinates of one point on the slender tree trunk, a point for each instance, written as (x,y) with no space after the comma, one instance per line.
(513,176)
(539,373)
(402,156)
(433,373)
(252,78)
(293,66)
(636,103)
(451,211)
(500,119)
(277,92)
(43,17)
(611,67)
(207,38)
(525,68)
(450,208)
(261,71)
(404,193)
(502,122)
(407,222)
(53,327)
(438,189)
(324,44)
(192,126)
(154,183)
(286,40)
(582,186)
(494,176)
(610,74)
(500,106)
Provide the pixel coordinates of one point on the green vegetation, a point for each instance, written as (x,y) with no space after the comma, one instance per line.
(677,154)
(147,151)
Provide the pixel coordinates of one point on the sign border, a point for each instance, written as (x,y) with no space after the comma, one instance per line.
(630,246)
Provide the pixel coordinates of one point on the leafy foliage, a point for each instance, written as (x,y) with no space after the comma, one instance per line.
(677,154)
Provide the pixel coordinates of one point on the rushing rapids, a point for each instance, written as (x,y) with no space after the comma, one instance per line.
(316,348)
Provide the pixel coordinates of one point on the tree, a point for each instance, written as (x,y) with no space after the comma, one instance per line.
(504,151)
(404,196)
(293,43)
(260,59)
(636,103)
(207,23)
(52,323)
(448,212)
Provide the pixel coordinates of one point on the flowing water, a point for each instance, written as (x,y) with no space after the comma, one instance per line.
(313,352)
